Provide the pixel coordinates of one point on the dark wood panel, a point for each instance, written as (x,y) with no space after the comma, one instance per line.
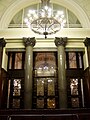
(2,117)
(4,88)
(62,117)
(67,114)
(87,87)
(84,116)
(75,73)
(16,73)
(25,117)
(1,51)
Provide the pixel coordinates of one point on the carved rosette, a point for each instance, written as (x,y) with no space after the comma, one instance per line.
(2,42)
(87,42)
(60,41)
(29,41)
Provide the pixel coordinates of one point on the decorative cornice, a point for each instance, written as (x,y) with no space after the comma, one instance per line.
(60,41)
(87,42)
(29,41)
(2,42)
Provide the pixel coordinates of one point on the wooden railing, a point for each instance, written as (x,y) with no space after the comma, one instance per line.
(40,117)
(45,114)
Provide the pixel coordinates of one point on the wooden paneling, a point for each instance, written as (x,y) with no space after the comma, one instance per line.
(72,114)
(0,75)
(61,117)
(74,73)
(25,117)
(2,44)
(84,116)
(16,73)
(2,117)
(87,87)
(4,88)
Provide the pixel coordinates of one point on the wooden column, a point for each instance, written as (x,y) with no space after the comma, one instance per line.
(2,44)
(87,44)
(87,75)
(29,44)
(62,83)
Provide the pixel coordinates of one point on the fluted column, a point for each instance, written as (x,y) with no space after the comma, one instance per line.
(62,84)
(2,44)
(29,44)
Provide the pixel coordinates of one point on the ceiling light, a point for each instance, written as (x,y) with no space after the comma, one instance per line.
(45,20)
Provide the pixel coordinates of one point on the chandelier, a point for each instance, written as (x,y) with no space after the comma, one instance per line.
(45,20)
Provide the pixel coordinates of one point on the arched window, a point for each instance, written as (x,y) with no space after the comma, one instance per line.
(18,20)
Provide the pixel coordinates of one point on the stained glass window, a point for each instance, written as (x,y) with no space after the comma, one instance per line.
(74,63)
(45,64)
(76,92)
(16,93)
(51,103)
(18,61)
(40,102)
(75,102)
(74,86)
(51,87)
(45,80)
(40,87)
(16,87)
(72,60)
(15,96)
(16,103)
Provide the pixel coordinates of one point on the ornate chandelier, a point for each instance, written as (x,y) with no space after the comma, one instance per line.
(45,20)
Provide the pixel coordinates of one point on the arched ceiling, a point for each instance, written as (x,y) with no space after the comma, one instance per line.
(10,7)
(18,19)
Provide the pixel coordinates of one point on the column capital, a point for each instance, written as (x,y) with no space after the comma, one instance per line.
(60,41)
(29,41)
(87,41)
(2,42)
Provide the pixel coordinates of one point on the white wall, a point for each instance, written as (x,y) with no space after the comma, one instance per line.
(13,33)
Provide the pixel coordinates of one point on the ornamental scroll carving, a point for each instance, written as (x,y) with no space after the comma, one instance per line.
(29,41)
(60,41)
(87,42)
(2,42)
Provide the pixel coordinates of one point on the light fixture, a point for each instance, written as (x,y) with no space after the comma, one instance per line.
(45,20)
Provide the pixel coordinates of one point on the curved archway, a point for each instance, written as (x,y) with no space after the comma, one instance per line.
(19,4)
